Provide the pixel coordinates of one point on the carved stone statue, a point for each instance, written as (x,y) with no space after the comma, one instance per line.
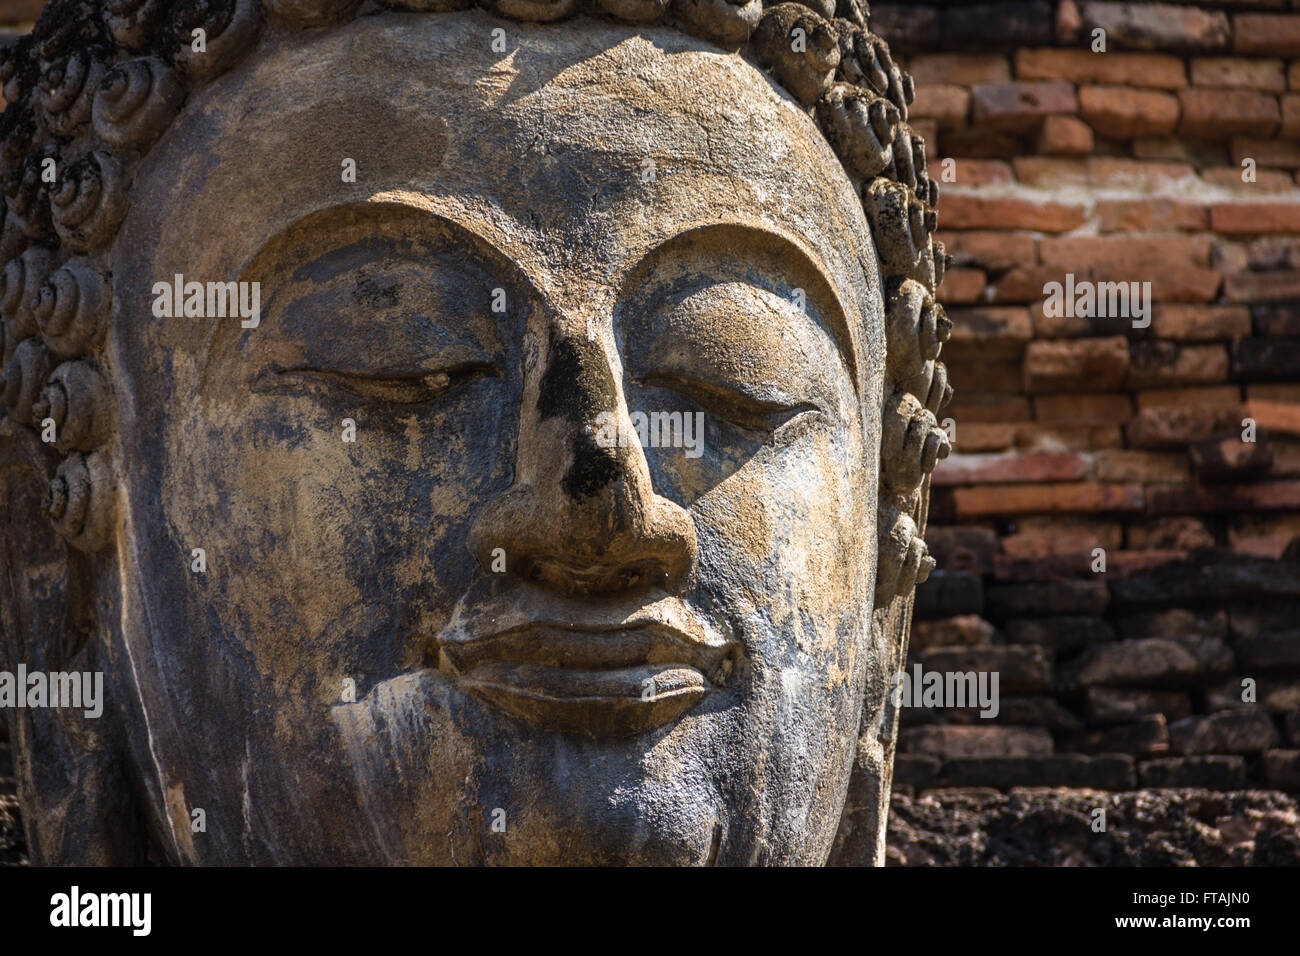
(463,436)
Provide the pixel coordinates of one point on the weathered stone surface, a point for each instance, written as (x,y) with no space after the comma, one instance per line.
(1113,705)
(1226,579)
(1282,769)
(976,741)
(1044,827)
(1231,459)
(1021,670)
(1141,738)
(13,842)
(1267,359)
(1109,772)
(1048,599)
(1230,732)
(1062,634)
(1151,661)
(1269,651)
(1263,616)
(949,593)
(441,565)
(1219,773)
(920,771)
(964,630)
(963,548)
(1156,26)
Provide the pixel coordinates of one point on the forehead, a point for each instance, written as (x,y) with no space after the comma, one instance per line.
(573,148)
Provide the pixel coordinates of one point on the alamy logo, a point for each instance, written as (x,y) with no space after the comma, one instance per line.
(59,689)
(1102,300)
(656,430)
(75,908)
(208,300)
(948,689)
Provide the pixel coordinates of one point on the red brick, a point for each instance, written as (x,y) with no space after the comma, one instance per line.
(980,143)
(1164,364)
(1076,366)
(1293,75)
(1115,172)
(1185,533)
(973,371)
(1068,22)
(1085,409)
(1234,72)
(977,438)
(963,630)
(1291,116)
(1154,70)
(990,469)
(988,408)
(1282,417)
(1221,114)
(1061,535)
(1257,287)
(946,105)
(1263,536)
(962,286)
(1248,218)
(1050,172)
(1024,284)
(1266,180)
(1044,437)
(1144,467)
(1156,26)
(1119,112)
(1003,212)
(1016,107)
(1064,326)
(970,172)
(956,740)
(1049,499)
(993,251)
(1268,34)
(1202,395)
(1065,136)
(963,69)
(1196,499)
(1195,151)
(1267,152)
(994,332)
(1274,392)
(1125,256)
(1178,426)
(1151,215)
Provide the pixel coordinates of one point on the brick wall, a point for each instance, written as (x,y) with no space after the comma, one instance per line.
(1078,433)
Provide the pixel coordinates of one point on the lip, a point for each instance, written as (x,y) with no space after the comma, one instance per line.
(606,671)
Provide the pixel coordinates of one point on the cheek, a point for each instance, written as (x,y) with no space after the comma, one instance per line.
(335,532)
(783,538)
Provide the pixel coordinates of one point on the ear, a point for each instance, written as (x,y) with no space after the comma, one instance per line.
(74,784)
(899,203)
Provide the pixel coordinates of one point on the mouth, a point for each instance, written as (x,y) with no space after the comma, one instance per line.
(566,667)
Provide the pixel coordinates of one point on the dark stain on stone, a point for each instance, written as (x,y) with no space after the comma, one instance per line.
(372,292)
(593,467)
(576,384)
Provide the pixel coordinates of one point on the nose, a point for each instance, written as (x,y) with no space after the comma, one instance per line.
(582,517)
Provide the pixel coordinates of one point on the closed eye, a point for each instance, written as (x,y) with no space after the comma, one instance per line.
(401,388)
(747,411)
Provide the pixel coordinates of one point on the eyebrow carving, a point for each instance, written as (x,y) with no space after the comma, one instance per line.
(716,242)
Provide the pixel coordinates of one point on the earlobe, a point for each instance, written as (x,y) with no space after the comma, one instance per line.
(78,804)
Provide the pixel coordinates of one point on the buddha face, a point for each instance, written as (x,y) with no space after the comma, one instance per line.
(537,509)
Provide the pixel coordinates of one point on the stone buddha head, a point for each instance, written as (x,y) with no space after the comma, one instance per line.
(463,435)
